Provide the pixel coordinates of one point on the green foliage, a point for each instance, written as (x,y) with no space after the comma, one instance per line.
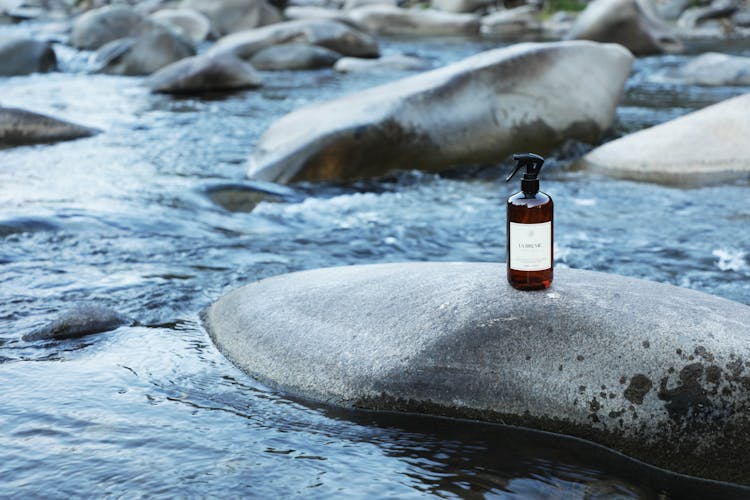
(569,5)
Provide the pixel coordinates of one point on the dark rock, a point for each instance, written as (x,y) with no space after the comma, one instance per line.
(204,73)
(20,127)
(294,56)
(245,196)
(455,339)
(23,56)
(17,225)
(82,320)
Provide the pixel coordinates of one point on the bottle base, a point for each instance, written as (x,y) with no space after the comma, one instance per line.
(530,280)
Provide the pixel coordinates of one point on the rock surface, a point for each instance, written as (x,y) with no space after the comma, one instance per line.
(655,371)
(713,68)
(705,147)
(511,22)
(394,62)
(187,22)
(23,56)
(82,320)
(232,16)
(460,5)
(144,54)
(19,127)
(390,20)
(627,22)
(294,56)
(97,27)
(524,97)
(204,73)
(323,32)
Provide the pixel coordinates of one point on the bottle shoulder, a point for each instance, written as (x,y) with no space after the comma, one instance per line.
(537,199)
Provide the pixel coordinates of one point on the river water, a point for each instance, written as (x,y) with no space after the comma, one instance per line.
(124,219)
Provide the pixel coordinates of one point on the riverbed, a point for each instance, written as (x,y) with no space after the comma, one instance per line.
(123,219)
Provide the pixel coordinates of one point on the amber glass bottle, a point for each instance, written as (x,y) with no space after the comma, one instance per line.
(529,229)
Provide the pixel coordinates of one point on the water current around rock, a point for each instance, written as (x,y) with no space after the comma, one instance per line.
(123,219)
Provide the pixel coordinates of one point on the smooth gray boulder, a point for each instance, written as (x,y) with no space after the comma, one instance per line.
(708,146)
(20,127)
(83,319)
(479,110)
(296,12)
(23,56)
(144,54)
(392,62)
(390,20)
(232,16)
(714,68)
(627,22)
(657,372)
(97,27)
(204,73)
(460,5)
(294,56)
(512,22)
(188,22)
(326,33)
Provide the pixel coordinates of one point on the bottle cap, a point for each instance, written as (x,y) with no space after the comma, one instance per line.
(533,164)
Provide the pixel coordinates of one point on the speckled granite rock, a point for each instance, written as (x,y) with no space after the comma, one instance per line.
(658,372)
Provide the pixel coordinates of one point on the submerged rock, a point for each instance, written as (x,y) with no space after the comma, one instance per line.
(714,68)
(627,22)
(245,196)
(82,320)
(23,56)
(652,370)
(705,147)
(391,20)
(20,127)
(326,33)
(294,56)
(524,97)
(204,73)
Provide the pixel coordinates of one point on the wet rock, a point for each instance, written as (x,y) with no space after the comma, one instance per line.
(204,73)
(742,17)
(187,22)
(671,9)
(20,127)
(713,68)
(143,55)
(23,56)
(710,21)
(511,22)
(97,27)
(82,320)
(459,6)
(389,20)
(322,32)
(455,339)
(705,147)
(231,16)
(18,225)
(245,196)
(527,96)
(394,62)
(294,56)
(558,24)
(627,22)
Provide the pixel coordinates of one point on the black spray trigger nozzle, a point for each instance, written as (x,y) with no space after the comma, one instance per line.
(531,161)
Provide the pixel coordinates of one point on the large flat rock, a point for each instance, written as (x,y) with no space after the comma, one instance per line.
(708,146)
(658,372)
(477,111)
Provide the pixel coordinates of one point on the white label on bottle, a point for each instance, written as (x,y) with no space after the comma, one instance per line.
(530,246)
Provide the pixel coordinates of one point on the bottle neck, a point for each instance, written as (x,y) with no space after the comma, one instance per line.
(530,187)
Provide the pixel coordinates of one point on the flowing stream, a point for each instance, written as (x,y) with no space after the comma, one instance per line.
(125,219)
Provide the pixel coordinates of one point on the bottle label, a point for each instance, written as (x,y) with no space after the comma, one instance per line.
(530,246)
